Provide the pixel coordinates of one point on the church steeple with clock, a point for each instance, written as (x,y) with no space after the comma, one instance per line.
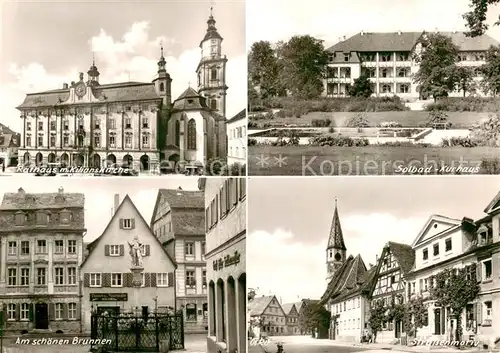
(211,70)
(336,249)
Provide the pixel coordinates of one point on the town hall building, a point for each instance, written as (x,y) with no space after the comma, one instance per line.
(94,124)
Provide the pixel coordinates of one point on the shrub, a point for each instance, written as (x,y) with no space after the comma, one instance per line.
(252,124)
(490,166)
(359,120)
(338,141)
(280,114)
(465,104)
(488,131)
(258,108)
(331,130)
(251,142)
(437,118)
(389,124)
(321,122)
(459,141)
(404,144)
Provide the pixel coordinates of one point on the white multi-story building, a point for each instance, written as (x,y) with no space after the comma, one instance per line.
(237,138)
(388,60)
(442,243)
(225,216)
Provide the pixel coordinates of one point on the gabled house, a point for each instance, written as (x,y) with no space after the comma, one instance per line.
(395,262)
(106,274)
(347,297)
(267,311)
(292,318)
(178,221)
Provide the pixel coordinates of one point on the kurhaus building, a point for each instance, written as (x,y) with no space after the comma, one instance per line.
(388,60)
(225,216)
(178,222)
(107,275)
(88,123)
(41,249)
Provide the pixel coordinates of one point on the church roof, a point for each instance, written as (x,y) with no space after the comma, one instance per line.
(336,239)
(190,100)
(351,278)
(110,93)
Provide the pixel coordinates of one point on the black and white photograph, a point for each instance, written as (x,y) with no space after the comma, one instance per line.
(373,87)
(111,265)
(123,88)
(408,271)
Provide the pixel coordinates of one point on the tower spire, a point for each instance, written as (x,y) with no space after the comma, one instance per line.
(336,239)
(162,62)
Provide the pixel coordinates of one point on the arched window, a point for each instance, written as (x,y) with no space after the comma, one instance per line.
(213,74)
(162,87)
(177,133)
(191,135)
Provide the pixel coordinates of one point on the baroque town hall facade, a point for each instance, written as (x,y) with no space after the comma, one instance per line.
(131,123)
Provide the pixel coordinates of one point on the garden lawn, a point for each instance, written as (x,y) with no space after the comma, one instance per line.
(369,160)
(407,118)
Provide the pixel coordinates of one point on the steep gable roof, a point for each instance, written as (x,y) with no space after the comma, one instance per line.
(187,210)
(404,254)
(94,244)
(336,238)
(287,308)
(378,42)
(448,224)
(258,305)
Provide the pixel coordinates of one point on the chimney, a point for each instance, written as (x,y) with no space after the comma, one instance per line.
(436,30)
(340,39)
(362,33)
(370,265)
(376,258)
(179,188)
(65,86)
(344,37)
(116,203)
(72,83)
(60,190)
(21,191)
(399,33)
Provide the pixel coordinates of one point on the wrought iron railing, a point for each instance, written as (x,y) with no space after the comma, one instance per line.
(133,332)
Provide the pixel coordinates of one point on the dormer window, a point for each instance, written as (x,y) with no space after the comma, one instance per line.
(66,216)
(347,56)
(30,199)
(484,235)
(20,218)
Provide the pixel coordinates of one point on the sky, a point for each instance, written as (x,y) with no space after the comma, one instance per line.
(99,194)
(289,222)
(46,44)
(332,19)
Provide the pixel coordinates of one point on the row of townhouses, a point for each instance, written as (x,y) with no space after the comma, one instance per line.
(270,317)
(403,272)
(87,123)
(51,280)
(388,59)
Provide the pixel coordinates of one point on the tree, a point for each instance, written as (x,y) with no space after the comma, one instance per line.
(303,62)
(252,293)
(361,88)
(454,289)
(415,315)
(476,18)
(314,316)
(491,71)
(465,79)
(377,317)
(263,69)
(437,65)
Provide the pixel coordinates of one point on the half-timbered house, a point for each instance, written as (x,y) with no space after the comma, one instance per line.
(395,261)
(267,311)
(292,318)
